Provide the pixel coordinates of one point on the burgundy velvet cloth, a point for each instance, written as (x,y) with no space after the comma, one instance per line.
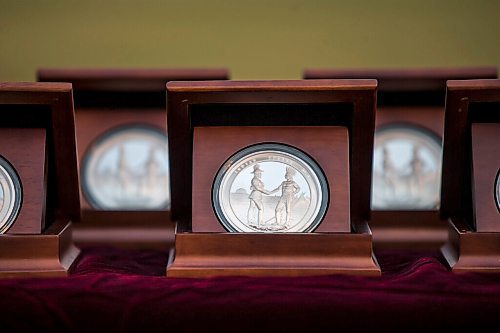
(115,290)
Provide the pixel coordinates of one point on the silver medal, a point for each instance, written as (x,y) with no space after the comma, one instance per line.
(270,188)
(406,169)
(10,195)
(127,169)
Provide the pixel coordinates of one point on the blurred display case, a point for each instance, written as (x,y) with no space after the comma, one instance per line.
(407,156)
(122,146)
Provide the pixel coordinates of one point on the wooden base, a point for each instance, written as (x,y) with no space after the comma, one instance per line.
(45,255)
(153,237)
(467,251)
(408,230)
(248,254)
(125,229)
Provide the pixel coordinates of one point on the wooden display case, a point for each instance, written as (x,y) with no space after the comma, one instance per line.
(38,181)
(470,184)
(410,110)
(214,126)
(121,142)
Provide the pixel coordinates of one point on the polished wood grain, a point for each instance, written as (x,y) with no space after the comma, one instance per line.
(51,253)
(469,251)
(273,85)
(24,149)
(486,165)
(271,254)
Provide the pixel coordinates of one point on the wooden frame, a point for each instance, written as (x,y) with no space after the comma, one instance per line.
(41,116)
(471,119)
(254,106)
(120,99)
(412,98)
(211,145)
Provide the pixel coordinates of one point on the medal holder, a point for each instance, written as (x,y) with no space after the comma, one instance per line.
(126,106)
(332,121)
(37,137)
(409,102)
(470,183)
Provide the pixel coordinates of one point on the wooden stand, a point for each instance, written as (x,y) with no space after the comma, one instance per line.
(330,120)
(470,166)
(206,254)
(51,253)
(38,122)
(467,250)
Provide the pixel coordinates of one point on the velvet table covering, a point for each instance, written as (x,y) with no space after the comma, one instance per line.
(118,290)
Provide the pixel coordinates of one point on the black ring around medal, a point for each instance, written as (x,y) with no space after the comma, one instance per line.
(279,148)
(497,190)
(16,192)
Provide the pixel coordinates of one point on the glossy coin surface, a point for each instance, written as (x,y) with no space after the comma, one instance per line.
(270,188)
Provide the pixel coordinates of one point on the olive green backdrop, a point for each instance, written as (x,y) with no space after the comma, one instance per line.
(254,39)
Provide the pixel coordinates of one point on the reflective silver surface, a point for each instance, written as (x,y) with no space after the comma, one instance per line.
(127,169)
(270,188)
(497,190)
(406,169)
(10,195)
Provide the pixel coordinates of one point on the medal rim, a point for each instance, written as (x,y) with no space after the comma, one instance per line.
(16,186)
(496,190)
(303,157)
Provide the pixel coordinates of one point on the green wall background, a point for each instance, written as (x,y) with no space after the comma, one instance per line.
(257,39)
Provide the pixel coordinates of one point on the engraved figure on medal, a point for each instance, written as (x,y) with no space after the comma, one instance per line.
(256,209)
(10,195)
(406,169)
(270,188)
(289,188)
(127,169)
